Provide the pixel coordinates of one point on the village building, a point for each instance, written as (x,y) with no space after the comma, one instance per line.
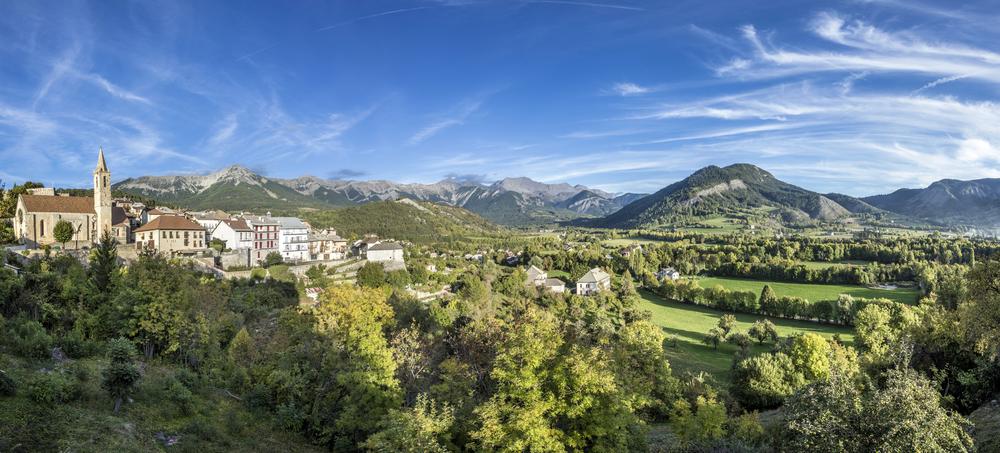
(668,273)
(293,239)
(265,239)
(38,212)
(536,276)
(593,282)
(209,220)
(235,233)
(326,245)
(554,285)
(385,252)
(360,247)
(171,234)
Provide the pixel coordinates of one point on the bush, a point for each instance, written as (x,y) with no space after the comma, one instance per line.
(7,385)
(52,388)
(75,346)
(29,339)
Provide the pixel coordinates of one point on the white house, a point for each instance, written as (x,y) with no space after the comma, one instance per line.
(668,273)
(593,282)
(536,276)
(293,239)
(209,220)
(236,233)
(385,251)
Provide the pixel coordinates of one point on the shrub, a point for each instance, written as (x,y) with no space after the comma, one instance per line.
(75,346)
(7,385)
(29,339)
(53,387)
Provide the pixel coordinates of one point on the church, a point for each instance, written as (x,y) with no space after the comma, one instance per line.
(39,210)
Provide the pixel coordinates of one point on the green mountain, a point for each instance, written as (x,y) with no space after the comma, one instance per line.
(415,221)
(947,202)
(735,190)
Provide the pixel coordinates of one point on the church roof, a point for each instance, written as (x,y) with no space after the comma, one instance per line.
(56,203)
(118,216)
(170,222)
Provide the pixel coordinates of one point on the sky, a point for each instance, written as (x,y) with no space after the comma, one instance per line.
(858,97)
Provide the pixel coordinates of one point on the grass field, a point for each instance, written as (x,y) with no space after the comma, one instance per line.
(689,323)
(812,292)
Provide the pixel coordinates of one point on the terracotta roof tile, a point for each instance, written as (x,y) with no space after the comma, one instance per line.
(56,203)
(170,222)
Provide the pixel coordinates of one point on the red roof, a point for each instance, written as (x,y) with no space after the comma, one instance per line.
(170,222)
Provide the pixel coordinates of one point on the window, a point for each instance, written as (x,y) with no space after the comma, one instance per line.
(41,228)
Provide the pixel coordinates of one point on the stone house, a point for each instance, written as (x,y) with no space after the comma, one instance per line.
(536,276)
(326,245)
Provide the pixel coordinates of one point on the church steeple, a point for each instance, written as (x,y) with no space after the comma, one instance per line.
(102,195)
(101,165)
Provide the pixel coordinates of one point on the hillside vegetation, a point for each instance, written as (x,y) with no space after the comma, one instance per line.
(419,222)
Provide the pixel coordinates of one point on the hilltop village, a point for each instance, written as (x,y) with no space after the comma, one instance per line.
(227,244)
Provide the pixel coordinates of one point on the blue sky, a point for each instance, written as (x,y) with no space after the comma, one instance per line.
(859,97)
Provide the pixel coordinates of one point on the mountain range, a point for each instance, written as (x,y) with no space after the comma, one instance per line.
(510,201)
(737,191)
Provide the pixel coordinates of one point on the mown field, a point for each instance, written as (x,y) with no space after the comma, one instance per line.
(689,323)
(812,292)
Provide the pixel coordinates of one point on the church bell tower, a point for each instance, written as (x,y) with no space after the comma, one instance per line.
(102,196)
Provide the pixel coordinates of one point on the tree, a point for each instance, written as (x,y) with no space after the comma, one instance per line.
(714,338)
(371,275)
(763,330)
(981,314)
(272,259)
(740,339)
(626,289)
(902,414)
(122,374)
(704,422)
(104,263)
(63,232)
(362,387)
(768,300)
(726,323)
(810,354)
(421,428)
(764,381)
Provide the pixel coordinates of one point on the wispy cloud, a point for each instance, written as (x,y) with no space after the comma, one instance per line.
(458,117)
(588,4)
(629,89)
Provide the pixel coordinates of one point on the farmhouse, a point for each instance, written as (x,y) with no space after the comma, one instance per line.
(536,276)
(554,285)
(668,273)
(593,282)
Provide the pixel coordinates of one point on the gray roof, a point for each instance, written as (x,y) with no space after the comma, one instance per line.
(290,222)
(553,282)
(593,276)
(534,272)
(386,246)
(325,237)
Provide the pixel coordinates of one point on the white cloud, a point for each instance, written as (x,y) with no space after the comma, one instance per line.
(629,89)
(977,150)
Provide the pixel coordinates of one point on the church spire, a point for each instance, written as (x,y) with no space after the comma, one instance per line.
(101,165)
